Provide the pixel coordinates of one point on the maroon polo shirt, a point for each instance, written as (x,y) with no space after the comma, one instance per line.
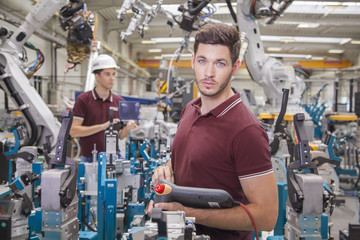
(90,108)
(217,150)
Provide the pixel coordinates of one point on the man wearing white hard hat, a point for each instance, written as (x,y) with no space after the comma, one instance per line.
(92,108)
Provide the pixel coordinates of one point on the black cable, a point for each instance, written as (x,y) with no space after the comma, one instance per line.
(357,164)
(282,110)
(233,14)
(195,11)
(90,227)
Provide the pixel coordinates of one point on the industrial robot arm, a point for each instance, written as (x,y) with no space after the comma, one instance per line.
(269,72)
(14,81)
(140,9)
(190,18)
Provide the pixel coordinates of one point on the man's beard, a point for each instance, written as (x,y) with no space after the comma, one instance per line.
(221,88)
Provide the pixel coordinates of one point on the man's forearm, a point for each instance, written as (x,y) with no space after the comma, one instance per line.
(123,133)
(84,131)
(233,219)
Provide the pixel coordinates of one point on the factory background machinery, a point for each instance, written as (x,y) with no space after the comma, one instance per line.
(299,76)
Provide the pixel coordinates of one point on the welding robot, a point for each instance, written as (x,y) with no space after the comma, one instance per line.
(44,127)
(272,74)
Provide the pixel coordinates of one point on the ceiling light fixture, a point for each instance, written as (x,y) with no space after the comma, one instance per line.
(302,39)
(168,40)
(155,50)
(287,40)
(355,42)
(336,6)
(308,25)
(186,55)
(307,56)
(148,42)
(345,40)
(317,58)
(336,51)
(171,40)
(317,7)
(274,49)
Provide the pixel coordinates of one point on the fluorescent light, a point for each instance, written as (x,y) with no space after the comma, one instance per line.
(317,58)
(287,40)
(168,40)
(355,42)
(302,39)
(186,55)
(317,7)
(336,51)
(171,40)
(345,40)
(155,50)
(309,3)
(336,6)
(351,3)
(308,25)
(307,56)
(158,57)
(148,42)
(274,49)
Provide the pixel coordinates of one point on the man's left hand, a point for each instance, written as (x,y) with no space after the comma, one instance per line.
(131,124)
(168,206)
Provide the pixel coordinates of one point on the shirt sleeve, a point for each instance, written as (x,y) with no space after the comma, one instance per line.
(253,158)
(79,109)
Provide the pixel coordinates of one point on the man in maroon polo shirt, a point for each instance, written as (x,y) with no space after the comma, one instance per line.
(220,144)
(92,109)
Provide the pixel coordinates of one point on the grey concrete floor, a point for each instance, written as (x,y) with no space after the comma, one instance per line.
(344,214)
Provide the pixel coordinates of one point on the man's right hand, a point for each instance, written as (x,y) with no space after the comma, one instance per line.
(162,172)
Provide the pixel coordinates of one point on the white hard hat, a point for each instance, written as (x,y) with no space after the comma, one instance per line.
(103,61)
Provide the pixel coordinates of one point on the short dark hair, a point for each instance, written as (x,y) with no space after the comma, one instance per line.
(98,71)
(222,34)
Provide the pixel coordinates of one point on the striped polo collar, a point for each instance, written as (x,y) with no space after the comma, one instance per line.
(96,96)
(224,107)
(228,104)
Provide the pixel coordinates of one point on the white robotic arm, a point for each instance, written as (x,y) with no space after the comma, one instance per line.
(140,9)
(14,82)
(188,18)
(269,72)
(41,13)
